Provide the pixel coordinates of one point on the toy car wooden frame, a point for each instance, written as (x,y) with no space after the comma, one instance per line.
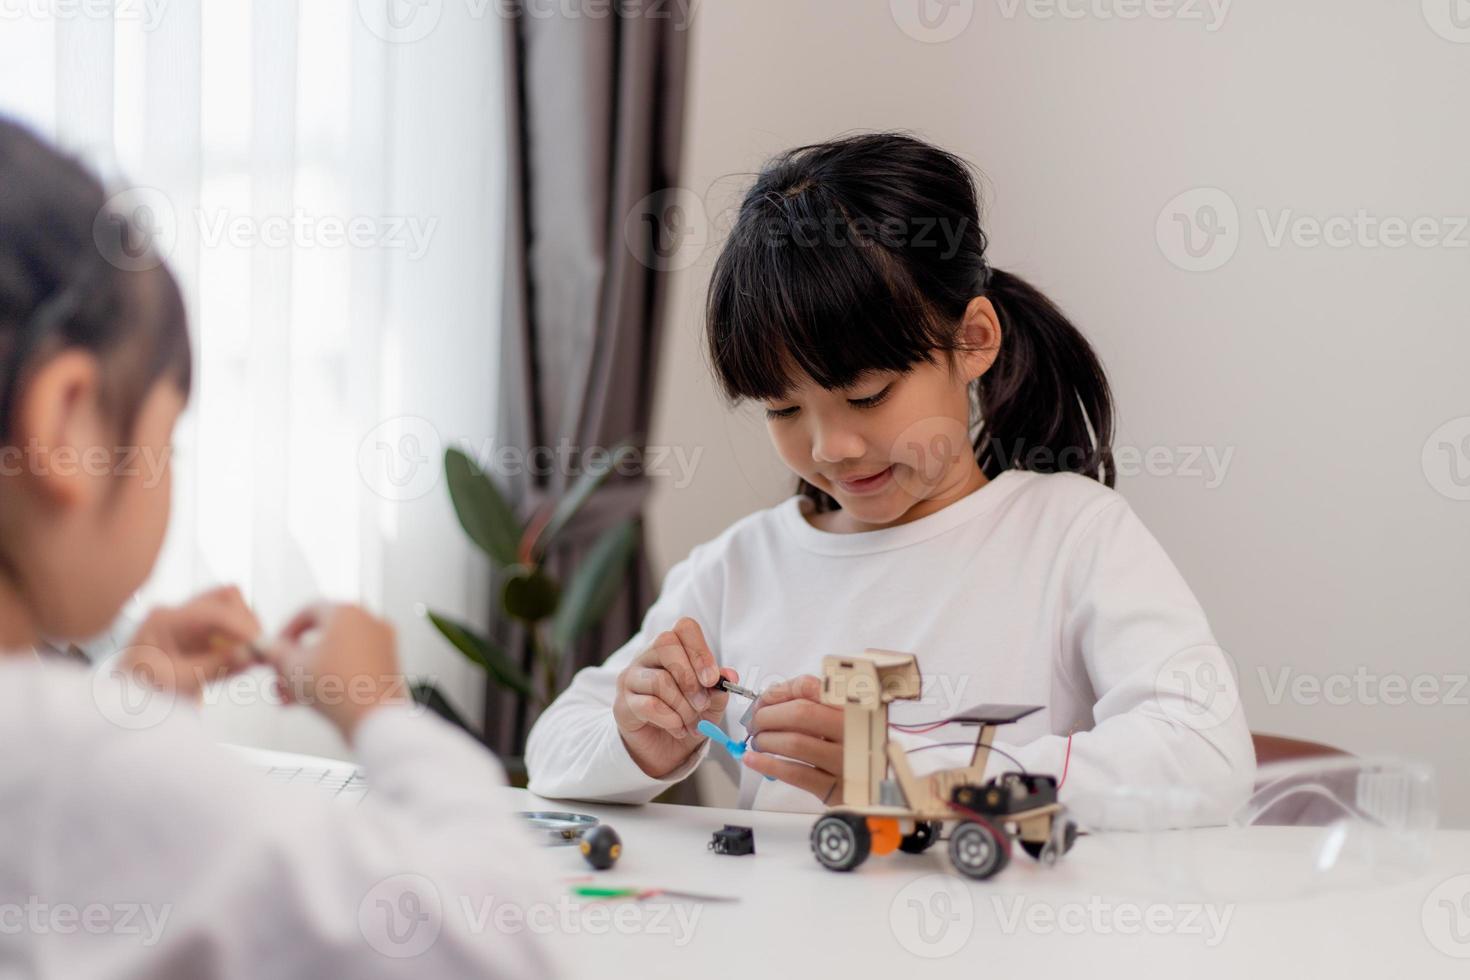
(984,817)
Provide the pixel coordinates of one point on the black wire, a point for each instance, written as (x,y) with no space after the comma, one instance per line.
(940,745)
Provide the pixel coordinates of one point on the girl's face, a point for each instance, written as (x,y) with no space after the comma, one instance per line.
(893,447)
(91,508)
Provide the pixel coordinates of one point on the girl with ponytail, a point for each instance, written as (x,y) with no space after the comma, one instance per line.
(951,435)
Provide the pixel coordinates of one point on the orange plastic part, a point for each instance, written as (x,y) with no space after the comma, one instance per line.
(885,834)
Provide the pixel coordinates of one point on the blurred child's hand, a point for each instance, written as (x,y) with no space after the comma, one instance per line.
(665,693)
(790,720)
(181,649)
(340,660)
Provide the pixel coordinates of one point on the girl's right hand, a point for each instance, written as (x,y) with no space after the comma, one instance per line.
(340,660)
(182,649)
(665,693)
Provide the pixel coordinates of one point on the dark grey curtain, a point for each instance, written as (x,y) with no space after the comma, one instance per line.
(595,118)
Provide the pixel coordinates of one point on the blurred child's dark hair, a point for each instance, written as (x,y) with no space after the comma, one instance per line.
(74,273)
(862,254)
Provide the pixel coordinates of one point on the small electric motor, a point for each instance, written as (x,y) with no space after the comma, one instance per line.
(733,840)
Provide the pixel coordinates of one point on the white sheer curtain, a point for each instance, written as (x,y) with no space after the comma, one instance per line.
(329,192)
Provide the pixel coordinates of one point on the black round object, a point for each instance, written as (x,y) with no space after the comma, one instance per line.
(601,846)
(1037,848)
(926,832)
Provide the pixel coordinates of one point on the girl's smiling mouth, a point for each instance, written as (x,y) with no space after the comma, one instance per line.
(867,484)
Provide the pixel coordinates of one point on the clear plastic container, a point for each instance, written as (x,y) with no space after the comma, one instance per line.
(1325,823)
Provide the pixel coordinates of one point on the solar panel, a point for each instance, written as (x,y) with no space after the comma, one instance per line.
(994,714)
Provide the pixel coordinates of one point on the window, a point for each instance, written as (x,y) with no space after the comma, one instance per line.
(331,203)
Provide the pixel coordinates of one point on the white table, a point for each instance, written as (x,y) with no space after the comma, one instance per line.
(1098,913)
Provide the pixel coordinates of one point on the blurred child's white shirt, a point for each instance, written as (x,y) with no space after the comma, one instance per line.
(1035,589)
(134,847)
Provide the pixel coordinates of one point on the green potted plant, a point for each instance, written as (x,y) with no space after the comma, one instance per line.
(554,613)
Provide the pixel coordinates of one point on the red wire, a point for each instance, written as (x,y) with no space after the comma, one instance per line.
(1066,762)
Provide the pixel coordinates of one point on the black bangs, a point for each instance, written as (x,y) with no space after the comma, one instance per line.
(800,289)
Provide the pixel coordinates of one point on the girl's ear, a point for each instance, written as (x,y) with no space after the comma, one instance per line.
(58,430)
(979,338)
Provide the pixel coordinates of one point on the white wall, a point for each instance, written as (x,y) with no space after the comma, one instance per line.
(1330,545)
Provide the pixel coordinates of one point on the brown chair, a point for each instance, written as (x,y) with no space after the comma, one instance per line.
(1296,810)
(1279,748)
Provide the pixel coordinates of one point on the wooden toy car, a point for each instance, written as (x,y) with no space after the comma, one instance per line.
(879,815)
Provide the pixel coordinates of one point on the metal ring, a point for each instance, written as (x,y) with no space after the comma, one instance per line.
(560,827)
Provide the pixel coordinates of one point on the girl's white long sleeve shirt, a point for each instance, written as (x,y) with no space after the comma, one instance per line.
(1036,589)
(135,847)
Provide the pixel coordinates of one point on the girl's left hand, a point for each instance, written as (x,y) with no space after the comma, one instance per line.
(181,649)
(791,721)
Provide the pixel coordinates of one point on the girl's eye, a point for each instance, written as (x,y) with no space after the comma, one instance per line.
(868,402)
(871,400)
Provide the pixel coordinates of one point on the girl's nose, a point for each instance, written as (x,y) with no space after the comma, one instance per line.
(832,445)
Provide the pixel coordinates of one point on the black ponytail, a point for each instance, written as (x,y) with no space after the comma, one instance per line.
(1045,404)
(862,254)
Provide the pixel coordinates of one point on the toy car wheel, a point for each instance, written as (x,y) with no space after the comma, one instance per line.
(976,851)
(1045,851)
(926,832)
(841,841)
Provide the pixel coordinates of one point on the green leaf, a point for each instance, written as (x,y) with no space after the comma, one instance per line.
(483,512)
(426,694)
(595,584)
(530,595)
(481,651)
(581,489)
